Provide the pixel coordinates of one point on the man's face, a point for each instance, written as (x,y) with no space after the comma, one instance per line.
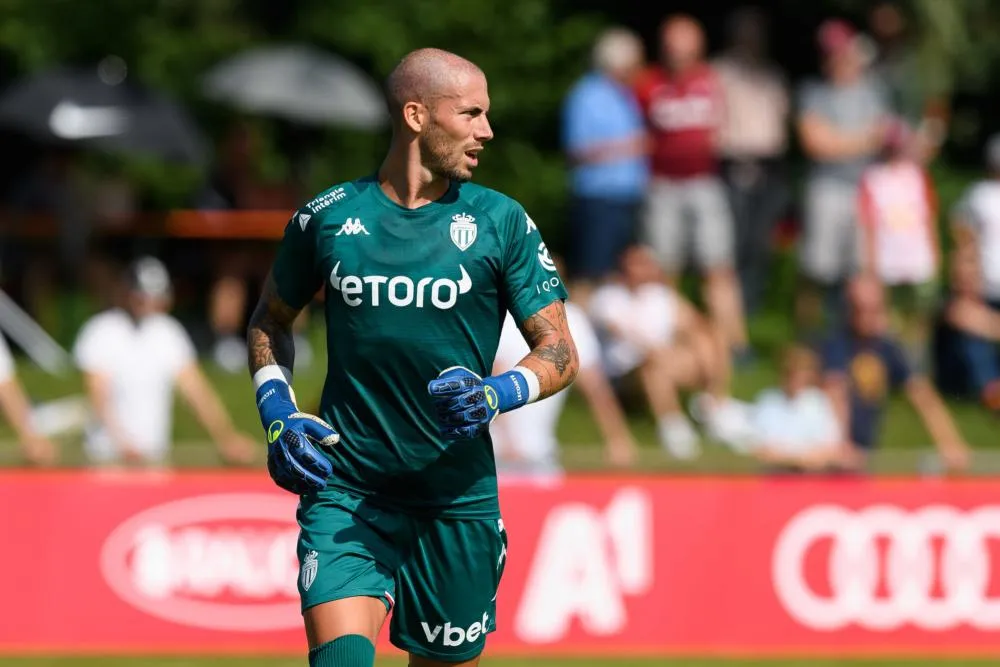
(845,66)
(142,305)
(868,312)
(457,129)
(799,378)
(682,44)
(639,267)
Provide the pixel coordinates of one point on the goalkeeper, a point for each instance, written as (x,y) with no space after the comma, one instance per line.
(419,267)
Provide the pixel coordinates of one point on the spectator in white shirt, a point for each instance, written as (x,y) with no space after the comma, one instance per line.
(132,358)
(651,329)
(976,222)
(36,449)
(795,425)
(974,304)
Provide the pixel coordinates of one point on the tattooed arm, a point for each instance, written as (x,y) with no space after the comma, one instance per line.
(269,334)
(553,357)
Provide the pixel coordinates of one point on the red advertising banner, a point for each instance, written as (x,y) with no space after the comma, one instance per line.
(205,563)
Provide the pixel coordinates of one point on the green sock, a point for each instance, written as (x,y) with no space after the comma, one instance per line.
(346,651)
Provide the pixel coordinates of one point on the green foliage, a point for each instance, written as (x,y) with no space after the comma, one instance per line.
(532,51)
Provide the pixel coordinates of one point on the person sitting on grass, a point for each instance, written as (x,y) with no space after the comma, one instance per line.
(795,425)
(650,328)
(862,364)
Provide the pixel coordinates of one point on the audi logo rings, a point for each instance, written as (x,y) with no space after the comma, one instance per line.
(887,567)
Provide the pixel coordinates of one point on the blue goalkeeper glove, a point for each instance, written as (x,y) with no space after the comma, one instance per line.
(293,460)
(467,404)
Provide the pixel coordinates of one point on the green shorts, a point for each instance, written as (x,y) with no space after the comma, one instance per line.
(439,577)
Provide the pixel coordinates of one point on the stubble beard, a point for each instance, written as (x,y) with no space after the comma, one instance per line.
(439,156)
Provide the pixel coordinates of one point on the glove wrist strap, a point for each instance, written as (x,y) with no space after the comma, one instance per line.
(514,388)
(271,372)
(275,398)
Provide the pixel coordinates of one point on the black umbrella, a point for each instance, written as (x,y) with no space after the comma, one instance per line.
(84,107)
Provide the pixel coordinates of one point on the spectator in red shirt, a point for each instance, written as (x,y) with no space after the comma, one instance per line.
(687,211)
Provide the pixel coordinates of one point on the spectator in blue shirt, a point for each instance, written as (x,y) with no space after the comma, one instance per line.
(605,142)
(863,364)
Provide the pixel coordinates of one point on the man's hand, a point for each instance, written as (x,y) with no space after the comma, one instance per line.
(466,404)
(956,457)
(293,459)
(130,454)
(238,449)
(621,451)
(39,451)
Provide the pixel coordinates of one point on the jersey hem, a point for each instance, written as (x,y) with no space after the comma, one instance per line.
(479,509)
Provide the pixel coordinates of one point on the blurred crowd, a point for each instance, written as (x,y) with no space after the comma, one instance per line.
(679,165)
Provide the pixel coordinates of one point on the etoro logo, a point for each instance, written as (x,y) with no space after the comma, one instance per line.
(219,562)
(454,635)
(400,291)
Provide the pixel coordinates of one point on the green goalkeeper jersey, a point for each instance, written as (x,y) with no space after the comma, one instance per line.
(409,293)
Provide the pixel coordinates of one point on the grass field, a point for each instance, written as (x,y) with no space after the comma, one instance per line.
(905,444)
(487,662)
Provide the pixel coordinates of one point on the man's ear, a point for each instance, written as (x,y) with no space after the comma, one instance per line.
(415,116)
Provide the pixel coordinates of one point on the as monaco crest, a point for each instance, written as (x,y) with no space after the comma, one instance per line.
(463,231)
(309,568)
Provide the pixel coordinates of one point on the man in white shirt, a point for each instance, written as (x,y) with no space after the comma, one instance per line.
(976,222)
(973,310)
(36,449)
(132,358)
(651,329)
(525,440)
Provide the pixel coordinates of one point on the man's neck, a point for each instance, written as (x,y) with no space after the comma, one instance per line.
(682,69)
(407,182)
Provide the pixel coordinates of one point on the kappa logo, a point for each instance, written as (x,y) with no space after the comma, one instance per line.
(463,231)
(544,258)
(352,227)
(532,227)
(310,566)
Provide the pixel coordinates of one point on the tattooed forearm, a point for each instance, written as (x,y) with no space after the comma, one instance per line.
(538,327)
(553,357)
(269,335)
(558,354)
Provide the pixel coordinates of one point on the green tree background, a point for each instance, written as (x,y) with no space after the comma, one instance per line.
(532,51)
